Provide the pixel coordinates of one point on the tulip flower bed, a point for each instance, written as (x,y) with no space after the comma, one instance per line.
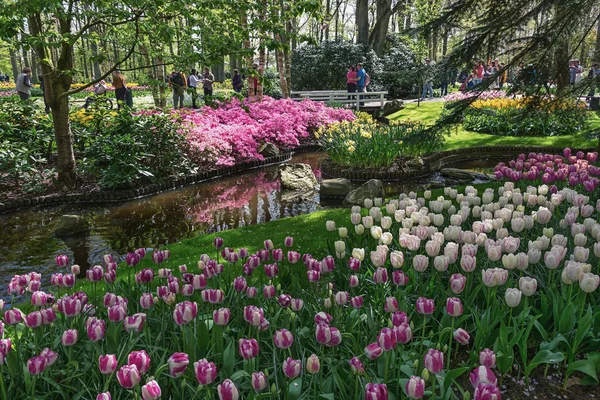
(486,95)
(422,296)
(576,169)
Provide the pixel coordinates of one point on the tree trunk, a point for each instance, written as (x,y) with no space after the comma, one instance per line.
(281,68)
(64,138)
(379,34)
(597,47)
(13,64)
(561,64)
(362,22)
(445,42)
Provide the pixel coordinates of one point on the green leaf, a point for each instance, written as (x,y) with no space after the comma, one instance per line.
(568,319)
(583,328)
(295,389)
(544,357)
(452,375)
(228,360)
(584,366)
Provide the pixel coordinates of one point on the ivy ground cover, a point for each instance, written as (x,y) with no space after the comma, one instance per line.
(428,295)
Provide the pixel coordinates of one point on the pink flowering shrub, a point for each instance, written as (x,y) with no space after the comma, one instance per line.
(487,95)
(575,169)
(234,131)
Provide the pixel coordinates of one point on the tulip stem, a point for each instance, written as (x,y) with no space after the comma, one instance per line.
(450,345)
(433,378)
(388,357)
(423,331)
(3,384)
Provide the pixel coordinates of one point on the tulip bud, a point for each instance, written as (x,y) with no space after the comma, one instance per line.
(313,365)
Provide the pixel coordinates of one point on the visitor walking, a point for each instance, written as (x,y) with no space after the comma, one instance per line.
(351,79)
(427,79)
(23,84)
(478,73)
(177,83)
(193,81)
(207,82)
(119,83)
(236,81)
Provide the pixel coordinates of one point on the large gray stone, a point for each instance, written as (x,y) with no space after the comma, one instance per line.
(338,187)
(268,150)
(297,196)
(297,177)
(393,106)
(370,190)
(71,225)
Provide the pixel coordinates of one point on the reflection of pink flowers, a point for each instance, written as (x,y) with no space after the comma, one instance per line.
(551,168)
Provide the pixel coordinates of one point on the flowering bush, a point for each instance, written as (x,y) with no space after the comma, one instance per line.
(364,143)
(486,95)
(234,131)
(578,169)
(419,292)
(527,116)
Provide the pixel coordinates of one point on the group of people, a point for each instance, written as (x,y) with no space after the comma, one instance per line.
(4,78)
(357,80)
(179,84)
(577,73)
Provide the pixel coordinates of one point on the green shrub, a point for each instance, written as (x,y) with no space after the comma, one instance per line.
(133,148)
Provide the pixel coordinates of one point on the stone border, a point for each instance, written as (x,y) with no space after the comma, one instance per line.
(119,196)
(435,161)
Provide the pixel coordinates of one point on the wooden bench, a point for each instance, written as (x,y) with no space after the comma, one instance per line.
(341,97)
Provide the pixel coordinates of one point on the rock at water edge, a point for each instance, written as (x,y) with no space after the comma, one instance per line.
(70,225)
(297,177)
(338,187)
(370,190)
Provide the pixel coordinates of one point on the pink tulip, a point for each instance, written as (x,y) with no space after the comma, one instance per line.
(62,260)
(253,315)
(228,391)
(328,264)
(49,355)
(292,368)
(482,374)
(206,371)
(387,339)
(178,363)
(248,348)
(94,274)
(288,242)
(277,255)
(425,306)
(69,337)
(403,333)
(33,319)
(461,336)
(146,301)
(151,391)
(487,392)
(271,270)
(104,396)
(373,351)
(434,361)
(128,376)
(141,359)
(213,296)
(297,304)
(221,316)
(354,264)
(454,307)
(391,305)
(380,275)
(96,328)
(239,284)
(356,366)
(356,302)
(251,292)
(293,257)
(283,338)
(336,337)
(376,391)
(218,242)
(415,387)
(5,348)
(135,323)
(39,299)
(107,364)
(353,281)
(399,278)
(284,300)
(399,318)
(323,318)
(13,316)
(185,312)
(117,313)
(269,291)
(259,381)
(36,365)
(313,365)
(487,358)
(341,298)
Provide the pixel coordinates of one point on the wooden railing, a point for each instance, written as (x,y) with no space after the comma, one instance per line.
(341,97)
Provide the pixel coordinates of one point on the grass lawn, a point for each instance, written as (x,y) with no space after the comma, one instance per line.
(428,112)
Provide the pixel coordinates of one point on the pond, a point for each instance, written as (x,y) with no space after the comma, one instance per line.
(28,242)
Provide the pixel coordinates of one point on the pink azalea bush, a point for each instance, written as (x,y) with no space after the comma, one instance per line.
(574,169)
(486,95)
(234,131)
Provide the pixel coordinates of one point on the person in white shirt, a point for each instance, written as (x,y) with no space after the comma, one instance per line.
(193,81)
